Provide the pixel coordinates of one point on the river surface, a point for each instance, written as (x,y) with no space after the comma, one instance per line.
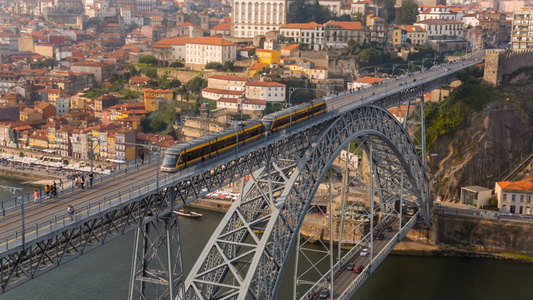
(104,273)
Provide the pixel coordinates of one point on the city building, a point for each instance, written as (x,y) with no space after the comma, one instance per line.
(267,56)
(308,33)
(522,32)
(339,33)
(253,18)
(200,51)
(268,91)
(226,82)
(476,196)
(515,197)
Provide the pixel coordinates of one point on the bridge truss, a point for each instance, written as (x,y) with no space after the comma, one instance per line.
(290,167)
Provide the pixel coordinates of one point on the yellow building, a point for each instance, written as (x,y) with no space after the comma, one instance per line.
(30,114)
(153,97)
(255,68)
(397,37)
(39,139)
(268,56)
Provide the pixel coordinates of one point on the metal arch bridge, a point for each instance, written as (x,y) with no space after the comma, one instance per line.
(240,261)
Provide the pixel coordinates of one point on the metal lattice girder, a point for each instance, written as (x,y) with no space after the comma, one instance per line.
(157,271)
(250,266)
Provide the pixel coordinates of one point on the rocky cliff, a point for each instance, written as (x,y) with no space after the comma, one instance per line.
(488,145)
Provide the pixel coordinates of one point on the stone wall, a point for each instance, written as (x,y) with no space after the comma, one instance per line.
(501,64)
(487,234)
(186,76)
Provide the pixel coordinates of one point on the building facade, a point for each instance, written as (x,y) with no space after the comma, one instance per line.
(522,31)
(253,18)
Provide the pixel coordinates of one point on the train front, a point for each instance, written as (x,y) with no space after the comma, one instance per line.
(170,162)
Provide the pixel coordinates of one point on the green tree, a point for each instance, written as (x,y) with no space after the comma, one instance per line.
(408,12)
(228,66)
(149,72)
(174,83)
(213,66)
(369,55)
(390,10)
(148,59)
(133,71)
(177,64)
(196,84)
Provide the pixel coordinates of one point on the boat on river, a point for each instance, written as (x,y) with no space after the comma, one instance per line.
(187,213)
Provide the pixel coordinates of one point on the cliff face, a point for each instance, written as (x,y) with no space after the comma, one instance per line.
(489,144)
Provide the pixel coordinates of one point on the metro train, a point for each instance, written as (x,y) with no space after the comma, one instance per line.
(183,155)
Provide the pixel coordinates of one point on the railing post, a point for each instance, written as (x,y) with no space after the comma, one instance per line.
(51,226)
(37,229)
(89,209)
(119,201)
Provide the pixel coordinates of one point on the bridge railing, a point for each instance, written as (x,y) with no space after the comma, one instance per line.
(8,207)
(62,220)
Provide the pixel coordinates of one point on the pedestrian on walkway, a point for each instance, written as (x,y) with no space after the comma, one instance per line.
(91,176)
(47,190)
(60,185)
(82,181)
(35,196)
(70,211)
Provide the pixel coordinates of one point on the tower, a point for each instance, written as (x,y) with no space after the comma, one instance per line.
(180,17)
(204,20)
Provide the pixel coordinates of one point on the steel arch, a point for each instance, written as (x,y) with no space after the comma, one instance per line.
(240,264)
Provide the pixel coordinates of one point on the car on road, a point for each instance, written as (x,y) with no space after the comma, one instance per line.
(381,236)
(527,216)
(350,266)
(364,252)
(388,229)
(324,294)
(438,204)
(506,214)
(358,268)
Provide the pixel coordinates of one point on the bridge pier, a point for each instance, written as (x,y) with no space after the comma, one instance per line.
(157,270)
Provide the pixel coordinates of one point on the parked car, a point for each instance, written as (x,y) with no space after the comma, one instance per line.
(358,268)
(381,236)
(438,204)
(506,214)
(324,294)
(364,252)
(388,229)
(350,266)
(527,216)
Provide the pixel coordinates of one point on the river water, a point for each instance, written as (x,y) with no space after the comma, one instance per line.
(104,273)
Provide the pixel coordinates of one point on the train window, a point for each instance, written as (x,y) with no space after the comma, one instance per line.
(170,159)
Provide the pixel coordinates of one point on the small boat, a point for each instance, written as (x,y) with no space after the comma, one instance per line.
(187,213)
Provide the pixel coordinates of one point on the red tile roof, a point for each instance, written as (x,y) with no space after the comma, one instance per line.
(346,25)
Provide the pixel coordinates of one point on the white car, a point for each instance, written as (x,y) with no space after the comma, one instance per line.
(506,214)
(364,252)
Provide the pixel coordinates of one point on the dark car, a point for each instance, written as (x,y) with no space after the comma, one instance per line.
(324,294)
(350,266)
(388,229)
(358,268)
(381,236)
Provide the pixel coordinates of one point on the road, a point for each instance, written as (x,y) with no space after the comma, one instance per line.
(453,209)
(345,277)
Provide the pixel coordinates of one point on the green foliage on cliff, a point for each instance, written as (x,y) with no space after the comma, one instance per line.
(447,116)
(161,120)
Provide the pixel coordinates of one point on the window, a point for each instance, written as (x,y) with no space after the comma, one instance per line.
(513,198)
(521,198)
(504,197)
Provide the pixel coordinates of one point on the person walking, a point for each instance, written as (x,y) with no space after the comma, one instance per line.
(91,176)
(54,188)
(82,181)
(60,185)
(47,191)
(35,196)
(70,211)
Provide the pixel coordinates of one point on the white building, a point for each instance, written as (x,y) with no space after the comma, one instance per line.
(231,83)
(442,29)
(170,49)
(200,51)
(515,197)
(253,18)
(268,91)
(247,106)
(215,94)
(439,12)
(309,33)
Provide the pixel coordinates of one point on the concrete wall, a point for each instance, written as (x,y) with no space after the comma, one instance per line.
(500,64)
